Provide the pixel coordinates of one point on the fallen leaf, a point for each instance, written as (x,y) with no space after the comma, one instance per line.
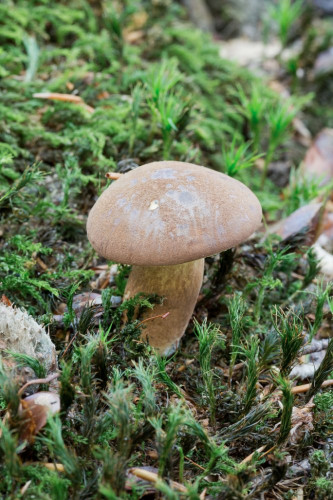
(305,222)
(34,411)
(133,36)
(325,261)
(302,132)
(5,300)
(325,239)
(315,346)
(303,371)
(203,494)
(318,161)
(103,95)
(324,63)
(301,422)
(133,33)
(80,301)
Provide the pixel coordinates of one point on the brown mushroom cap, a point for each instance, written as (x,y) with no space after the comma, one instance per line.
(169,212)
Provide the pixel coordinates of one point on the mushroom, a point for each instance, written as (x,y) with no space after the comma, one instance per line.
(164,218)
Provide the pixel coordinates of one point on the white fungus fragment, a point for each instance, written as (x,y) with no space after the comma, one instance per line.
(20,333)
(154,204)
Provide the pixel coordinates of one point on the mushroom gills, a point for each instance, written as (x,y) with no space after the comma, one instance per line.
(179,285)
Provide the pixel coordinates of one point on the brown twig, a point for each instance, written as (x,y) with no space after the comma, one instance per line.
(235,369)
(55,96)
(152,477)
(194,463)
(154,317)
(38,381)
(69,344)
(53,467)
(304,388)
(249,457)
(113,175)
(268,451)
(25,487)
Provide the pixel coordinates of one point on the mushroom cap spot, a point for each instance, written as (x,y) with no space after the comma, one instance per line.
(200,212)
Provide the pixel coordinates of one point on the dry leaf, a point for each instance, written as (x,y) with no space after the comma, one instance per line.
(133,36)
(305,221)
(301,422)
(80,301)
(324,62)
(34,411)
(133,33)
(325,239)
(305,370)
(325,261)
(318,162)
(104,94)
(315,346)
(303,134)
(5,300)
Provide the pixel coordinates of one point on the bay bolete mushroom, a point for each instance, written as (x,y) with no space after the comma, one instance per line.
(164,218)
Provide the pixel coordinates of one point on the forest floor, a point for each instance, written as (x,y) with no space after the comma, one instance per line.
(243,409)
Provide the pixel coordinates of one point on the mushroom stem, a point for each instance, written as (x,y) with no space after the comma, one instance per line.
(180,286)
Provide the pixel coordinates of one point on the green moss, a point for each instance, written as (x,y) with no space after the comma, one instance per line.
(167,95)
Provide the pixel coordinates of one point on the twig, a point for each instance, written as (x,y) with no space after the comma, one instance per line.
(55,96)
(303,388)
(194,463)
(237,367)
(268,451)
(25,487)
(53,467)
(69,344)
(249,457)
(154,317)
(38,381)
(298,389)
(152,477)
(113,175)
